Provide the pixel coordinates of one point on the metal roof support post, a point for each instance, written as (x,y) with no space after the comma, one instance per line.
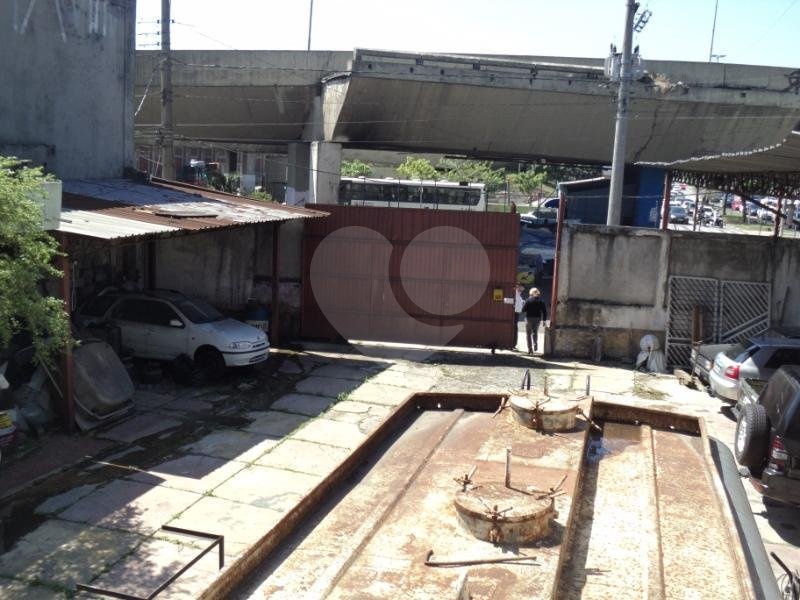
(621,133)
(274,324)
(67,363)
(665,201)
(562,209)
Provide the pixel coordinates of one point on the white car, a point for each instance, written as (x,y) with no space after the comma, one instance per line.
(166,325)
(758,360)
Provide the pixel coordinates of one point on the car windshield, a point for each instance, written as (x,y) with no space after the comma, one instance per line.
(198,311)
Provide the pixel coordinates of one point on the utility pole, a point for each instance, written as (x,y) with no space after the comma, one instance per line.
(167,150)
(621,132)
(310,19)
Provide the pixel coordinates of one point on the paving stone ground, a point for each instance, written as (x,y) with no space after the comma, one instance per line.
(240,479)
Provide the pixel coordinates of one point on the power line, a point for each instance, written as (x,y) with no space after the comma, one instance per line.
(199,32)
(778,20)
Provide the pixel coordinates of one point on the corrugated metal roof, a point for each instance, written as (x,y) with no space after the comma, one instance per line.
(108,227)
(781,158)
(117,208)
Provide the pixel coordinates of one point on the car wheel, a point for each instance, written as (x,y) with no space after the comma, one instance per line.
(184,370)
(752,435)
(210,363)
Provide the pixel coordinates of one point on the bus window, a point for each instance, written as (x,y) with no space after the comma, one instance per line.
(428,195)
(414,195)
(388,193)
(372,192)
(473,197)
(344,193)
(357,192)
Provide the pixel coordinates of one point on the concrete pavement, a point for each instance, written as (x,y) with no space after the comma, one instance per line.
(257,453)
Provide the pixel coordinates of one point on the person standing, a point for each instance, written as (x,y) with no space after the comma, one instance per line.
(535,312)
(518,302)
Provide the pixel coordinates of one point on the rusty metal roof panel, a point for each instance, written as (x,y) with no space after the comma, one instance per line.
(159,207)
(101,225)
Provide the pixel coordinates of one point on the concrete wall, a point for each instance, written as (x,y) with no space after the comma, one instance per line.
(227,267)
(215,266)
(613,281)
(67,96)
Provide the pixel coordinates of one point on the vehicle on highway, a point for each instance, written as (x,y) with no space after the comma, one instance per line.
(677,214)
(767,438)
(758,360)
(412,193)
(165,325)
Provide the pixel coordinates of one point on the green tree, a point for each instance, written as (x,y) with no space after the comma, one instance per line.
(356,168)
(474,171)
(417,168)
(26,261)
(529,181)
(261,195)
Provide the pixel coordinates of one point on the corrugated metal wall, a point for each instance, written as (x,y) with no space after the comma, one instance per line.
(410,275)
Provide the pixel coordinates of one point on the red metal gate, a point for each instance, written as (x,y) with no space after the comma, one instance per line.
(433,277)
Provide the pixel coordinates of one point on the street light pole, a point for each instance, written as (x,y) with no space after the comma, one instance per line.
(621,132)
(713,31)
(310,18)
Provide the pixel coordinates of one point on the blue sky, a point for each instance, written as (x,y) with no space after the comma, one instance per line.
(748,31)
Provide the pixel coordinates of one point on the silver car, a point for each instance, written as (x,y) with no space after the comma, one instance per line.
(759,360)
(166,325)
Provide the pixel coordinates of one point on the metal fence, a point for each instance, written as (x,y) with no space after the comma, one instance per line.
(729,312)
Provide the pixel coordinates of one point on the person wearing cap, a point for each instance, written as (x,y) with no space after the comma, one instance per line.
(535,312)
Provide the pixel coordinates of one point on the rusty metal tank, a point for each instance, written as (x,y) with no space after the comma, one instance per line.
(536,410)
(501,515)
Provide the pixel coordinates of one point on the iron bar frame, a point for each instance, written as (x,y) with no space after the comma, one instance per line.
(217,540)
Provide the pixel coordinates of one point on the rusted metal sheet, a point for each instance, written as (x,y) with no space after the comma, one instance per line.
(642,515)
(118,208)
(410,275)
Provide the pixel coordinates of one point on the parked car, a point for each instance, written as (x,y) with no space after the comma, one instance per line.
(166,325)
(530,268)
(759,360)
(766,215)
(677,214)
(767,439)
(749,391)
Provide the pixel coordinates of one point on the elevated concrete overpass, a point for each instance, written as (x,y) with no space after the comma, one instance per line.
(525,108)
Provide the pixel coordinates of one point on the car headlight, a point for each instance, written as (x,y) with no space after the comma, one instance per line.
(240,345)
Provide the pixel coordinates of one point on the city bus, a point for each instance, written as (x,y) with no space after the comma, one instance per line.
(410,193)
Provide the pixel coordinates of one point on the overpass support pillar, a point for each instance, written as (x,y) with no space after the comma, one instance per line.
(326,166)
(297,174)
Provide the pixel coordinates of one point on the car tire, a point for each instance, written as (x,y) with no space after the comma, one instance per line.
(210,363)
(752,435)
(184,370)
